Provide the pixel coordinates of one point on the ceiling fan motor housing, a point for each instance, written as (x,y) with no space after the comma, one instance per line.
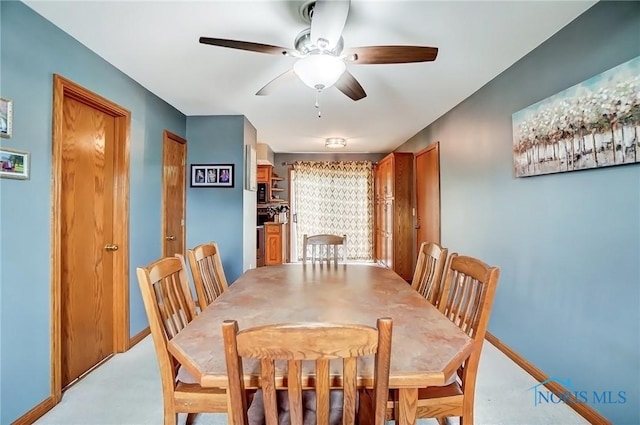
(305,46)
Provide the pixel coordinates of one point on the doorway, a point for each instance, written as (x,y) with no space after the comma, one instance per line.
(90,290)
(428,195)
(174,154)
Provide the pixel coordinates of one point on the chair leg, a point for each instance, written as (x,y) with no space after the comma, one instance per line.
(443,421)
(191,417)
(466,419)
(170,417)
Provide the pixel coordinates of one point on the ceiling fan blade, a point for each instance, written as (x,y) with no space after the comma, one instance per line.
(390,54)
(327,21)
(348,85)
(277,82)
(246,45)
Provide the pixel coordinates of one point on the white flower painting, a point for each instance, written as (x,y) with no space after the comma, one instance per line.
(593,124)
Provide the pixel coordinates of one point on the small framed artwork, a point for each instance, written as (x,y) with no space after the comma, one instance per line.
(251,167)
(212,175)
(15,164)
(6,117)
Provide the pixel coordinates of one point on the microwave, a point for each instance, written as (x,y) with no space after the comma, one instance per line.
(262,193)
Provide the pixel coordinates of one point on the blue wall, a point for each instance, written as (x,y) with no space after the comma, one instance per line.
(215,214)
(568,244)
(32,51)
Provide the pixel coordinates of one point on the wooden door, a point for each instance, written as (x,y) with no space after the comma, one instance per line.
(87,229)
(174,153)
(428,195)
(90,252)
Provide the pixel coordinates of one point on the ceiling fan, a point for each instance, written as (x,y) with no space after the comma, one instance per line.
(320,51)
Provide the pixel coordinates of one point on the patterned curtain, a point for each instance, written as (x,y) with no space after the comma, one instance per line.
(336,198)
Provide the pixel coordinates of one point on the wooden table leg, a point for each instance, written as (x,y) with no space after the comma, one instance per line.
(407,406)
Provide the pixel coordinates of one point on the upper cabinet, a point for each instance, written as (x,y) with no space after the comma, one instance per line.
(274,186)
(264,174)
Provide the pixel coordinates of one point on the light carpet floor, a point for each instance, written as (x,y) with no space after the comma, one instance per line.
(126,390)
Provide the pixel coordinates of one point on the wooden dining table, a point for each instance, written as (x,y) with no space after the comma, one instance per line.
(427,348)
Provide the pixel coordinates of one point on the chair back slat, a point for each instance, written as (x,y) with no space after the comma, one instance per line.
(209,279)
(350,388)
(324,248)
(322,391)
(294,391)
(318,342)
(429,271)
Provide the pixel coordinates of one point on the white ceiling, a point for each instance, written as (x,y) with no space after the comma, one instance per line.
(156,44)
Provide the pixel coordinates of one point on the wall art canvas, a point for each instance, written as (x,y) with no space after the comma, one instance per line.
(593,124)
(251,167)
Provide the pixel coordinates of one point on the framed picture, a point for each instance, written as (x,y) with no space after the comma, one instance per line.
(15,164)
(212,175)
(6,117)
(251,168)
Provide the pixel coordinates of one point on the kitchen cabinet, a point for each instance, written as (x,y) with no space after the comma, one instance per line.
(393,222)
(273,182)
(275,245)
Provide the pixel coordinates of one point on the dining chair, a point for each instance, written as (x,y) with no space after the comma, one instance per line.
(297,344)
(321,247)
(170,307)
(467,299)
(208,274)
(430,266)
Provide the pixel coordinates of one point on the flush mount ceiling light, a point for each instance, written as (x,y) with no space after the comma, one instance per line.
(335,142)
(319,71)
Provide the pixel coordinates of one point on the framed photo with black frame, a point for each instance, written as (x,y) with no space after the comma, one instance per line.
(212,175)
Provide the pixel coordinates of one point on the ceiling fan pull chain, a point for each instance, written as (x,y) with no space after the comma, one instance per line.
(317,104)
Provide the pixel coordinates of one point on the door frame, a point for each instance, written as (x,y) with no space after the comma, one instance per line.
(62,88)
(166,137)
(293,230)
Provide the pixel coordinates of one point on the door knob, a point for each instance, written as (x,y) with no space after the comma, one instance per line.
(111,247)
(170,238)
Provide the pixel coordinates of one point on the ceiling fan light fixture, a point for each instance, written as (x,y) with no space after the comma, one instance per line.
(335,142)
(319,71)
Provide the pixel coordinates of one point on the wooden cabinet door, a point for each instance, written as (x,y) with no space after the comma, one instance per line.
(264,174)
(273,244)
